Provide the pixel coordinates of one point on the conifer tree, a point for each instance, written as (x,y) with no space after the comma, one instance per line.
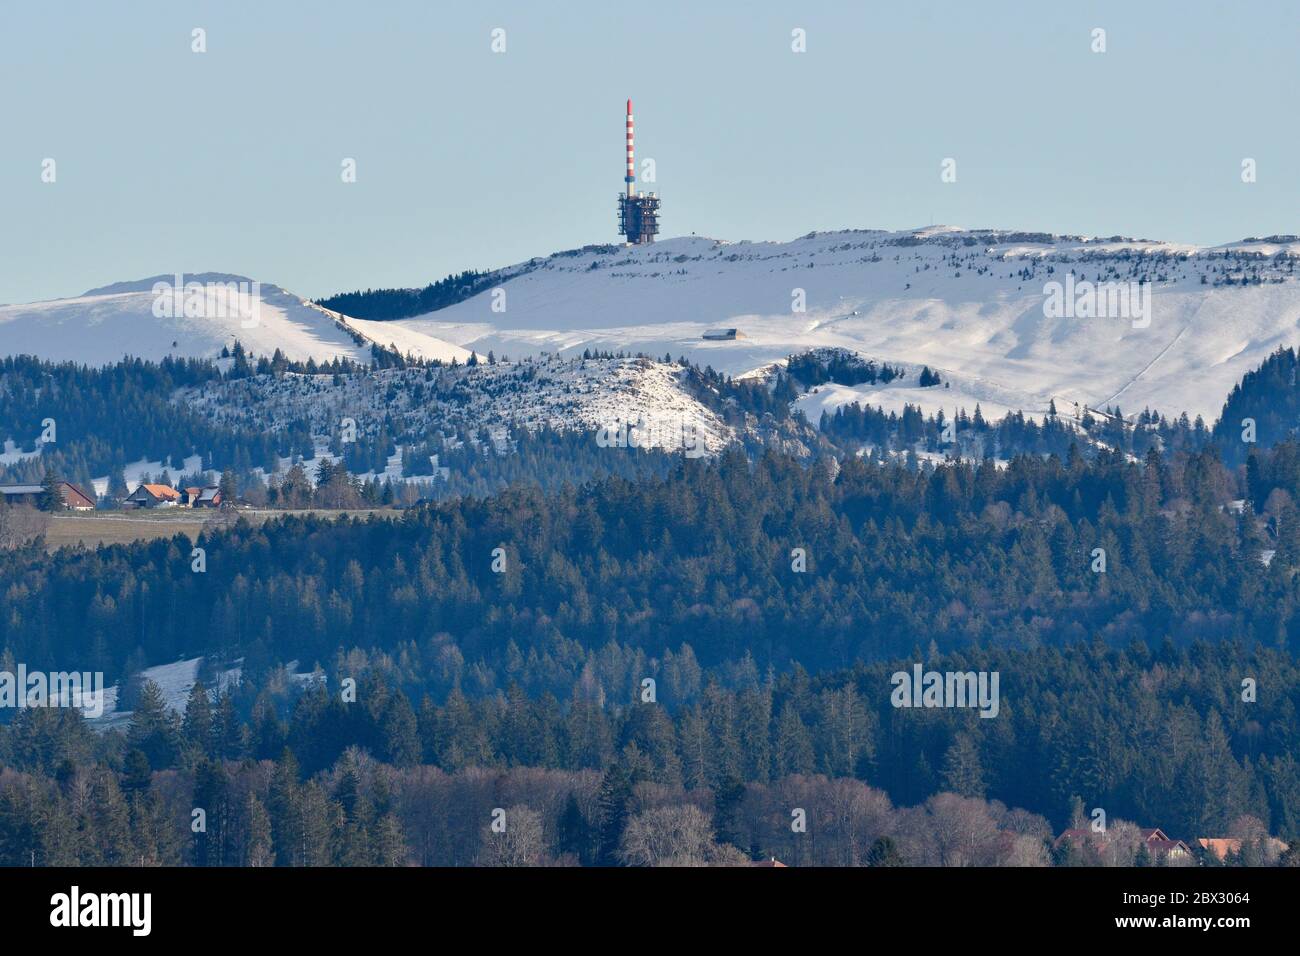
(153,728)
(196,726)
(962,773)
(614,807)
(51,496)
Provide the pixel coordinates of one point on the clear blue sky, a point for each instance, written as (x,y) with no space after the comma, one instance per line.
(229,160)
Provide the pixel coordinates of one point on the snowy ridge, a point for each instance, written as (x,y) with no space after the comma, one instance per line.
(969,303)
(103,325)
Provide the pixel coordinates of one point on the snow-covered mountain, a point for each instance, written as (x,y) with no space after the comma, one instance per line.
(973,305)
(969,304)
(147,320)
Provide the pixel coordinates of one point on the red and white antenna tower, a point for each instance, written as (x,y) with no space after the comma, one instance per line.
(630,179)
(638,215)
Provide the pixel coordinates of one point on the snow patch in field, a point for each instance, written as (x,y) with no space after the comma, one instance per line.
(136,471)
(175,680)
(12,453)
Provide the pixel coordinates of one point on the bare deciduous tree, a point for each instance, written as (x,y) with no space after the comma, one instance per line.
(20,525)
(669,836)
(520,843)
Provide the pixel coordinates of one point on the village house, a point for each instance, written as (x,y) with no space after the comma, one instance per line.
(1157,843)
(74,499)
(1221,847)
(1160,846)
(153,496)
(205,497)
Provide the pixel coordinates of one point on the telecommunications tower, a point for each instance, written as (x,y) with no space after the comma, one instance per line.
(638,215)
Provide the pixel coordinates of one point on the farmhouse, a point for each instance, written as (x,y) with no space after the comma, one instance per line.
(74,499)
(153,496)
(207,497)
(1222,847)
(1153,838)
(1160,846)
(22,494)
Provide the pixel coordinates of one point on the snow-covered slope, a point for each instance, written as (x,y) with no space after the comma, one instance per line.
(969,304)
(416,404)
(131,318)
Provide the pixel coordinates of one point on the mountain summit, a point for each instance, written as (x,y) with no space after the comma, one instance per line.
(1009,320)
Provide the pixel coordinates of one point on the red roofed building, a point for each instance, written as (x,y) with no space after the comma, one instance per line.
(153,496)
(208,496)
(1222,846)
(1159,845)
(74,499)
(1154,839)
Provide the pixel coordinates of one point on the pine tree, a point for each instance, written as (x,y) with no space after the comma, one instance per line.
(269,733)
(153,728)
(794,748)
(211,843)
(285,809)
(962,773)
(60,843)
(110,821)
(573,834)
(117,488)
(228,488)
(319,824)
(229,735)
(883,852)
(51,496)
(136,776)
(727,823)
(196,727)
(390,842)
(614,807)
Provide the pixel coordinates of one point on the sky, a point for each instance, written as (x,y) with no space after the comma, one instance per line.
(232,159)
